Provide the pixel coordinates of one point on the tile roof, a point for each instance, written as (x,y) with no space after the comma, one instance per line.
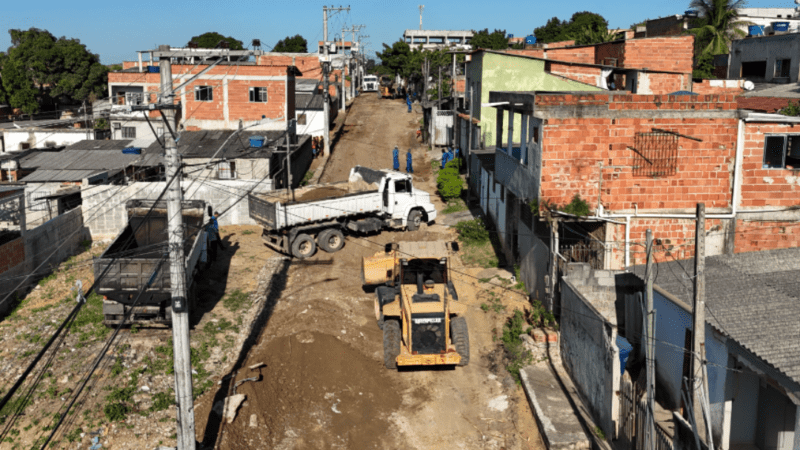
(754,298)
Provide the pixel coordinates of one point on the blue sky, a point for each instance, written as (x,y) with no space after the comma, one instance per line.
(116,30)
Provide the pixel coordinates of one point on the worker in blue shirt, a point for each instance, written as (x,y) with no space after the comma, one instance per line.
(408,102)
(445,158)
(409,167)
(395,159)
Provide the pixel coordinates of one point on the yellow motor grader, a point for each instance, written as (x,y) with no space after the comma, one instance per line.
(417,306)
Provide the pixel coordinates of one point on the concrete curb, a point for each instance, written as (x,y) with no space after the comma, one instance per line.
(338,126)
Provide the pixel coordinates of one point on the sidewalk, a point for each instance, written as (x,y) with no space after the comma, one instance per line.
(338,125)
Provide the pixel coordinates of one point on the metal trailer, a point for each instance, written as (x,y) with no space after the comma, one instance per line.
(132,259)
(297,227)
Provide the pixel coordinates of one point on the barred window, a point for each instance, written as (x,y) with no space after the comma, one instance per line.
(655,154)
(203,93)
(128,132)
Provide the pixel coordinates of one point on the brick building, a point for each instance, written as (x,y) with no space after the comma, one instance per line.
(229,94)
(639,162)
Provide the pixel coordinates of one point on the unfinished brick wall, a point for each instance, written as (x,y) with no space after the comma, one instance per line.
(610,54)
(534,52)
(559,44)
(585,74)
(584,54)
(12,254)
(762,186)
(706,87)
(661,83)
(673,240)
(753,236)
(667,54)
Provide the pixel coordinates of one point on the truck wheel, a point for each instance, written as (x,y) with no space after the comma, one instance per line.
(303,246)
(414,220)
(460,337)
(331,240)
(391,343)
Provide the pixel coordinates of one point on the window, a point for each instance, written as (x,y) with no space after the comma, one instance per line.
(782,151)
(402,186)
(128,132)
(754,69)
(226,170)
(38,201)
(301,119)
(203,93)
(782,68)
(655,154)
(258,94)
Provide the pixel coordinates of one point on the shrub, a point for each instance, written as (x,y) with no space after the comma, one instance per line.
(518,355)
(449,182)
(577,207)
(472,232)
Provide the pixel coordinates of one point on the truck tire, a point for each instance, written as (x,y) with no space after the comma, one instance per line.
(391,343)
(303,246)
(331,240)
(414,220)
(460,337)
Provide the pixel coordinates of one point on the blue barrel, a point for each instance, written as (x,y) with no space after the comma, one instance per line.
(154,69)
(690,13)
(755,30)
(625,350)
(256,141)
(510,35)
(132,151)
(530,40)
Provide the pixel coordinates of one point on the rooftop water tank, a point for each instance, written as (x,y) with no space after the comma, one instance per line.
(132,151)
(690,13)
(510,35)
(755,30)
(154,69)
(530,40)
(257,141)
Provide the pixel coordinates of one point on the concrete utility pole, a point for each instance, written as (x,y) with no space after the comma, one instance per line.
(698,380)
(468,151)
(177,271)
(289,158)
(344,79)
(354,29)
(650,343)
(325,70)
(421,8)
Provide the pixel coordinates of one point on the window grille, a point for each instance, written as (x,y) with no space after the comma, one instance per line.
(203,93)
(655,154)
(38,201)
(128,132)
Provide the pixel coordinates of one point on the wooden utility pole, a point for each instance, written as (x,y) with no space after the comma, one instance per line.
(177,271)
(697,379)
(650,355)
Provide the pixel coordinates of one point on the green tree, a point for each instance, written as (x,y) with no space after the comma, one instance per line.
(495,40)
(39,69)
(591,36)
(717,25)
(576,28)
(704,68)
(295,44)
(394,59)
(211,39)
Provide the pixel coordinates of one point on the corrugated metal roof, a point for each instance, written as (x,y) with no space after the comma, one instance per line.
(78,160)
(99,145)
(11,188)
(204,144)
(45,175)
(306,101)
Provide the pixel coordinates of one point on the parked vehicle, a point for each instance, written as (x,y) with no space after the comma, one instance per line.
(370,83)
(418,310)
(388,87)
(368,202)
(135,253)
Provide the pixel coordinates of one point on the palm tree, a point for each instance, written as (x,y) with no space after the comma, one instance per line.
(591,36)
(718,25)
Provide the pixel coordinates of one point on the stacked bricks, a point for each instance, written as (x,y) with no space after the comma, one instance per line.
(661,83)
(705,87)
(12,254)
(542,343)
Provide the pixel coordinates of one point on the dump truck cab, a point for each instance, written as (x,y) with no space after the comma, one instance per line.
(418,307)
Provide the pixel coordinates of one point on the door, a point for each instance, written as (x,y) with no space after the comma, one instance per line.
(386,196)
(403,198)
(776,416)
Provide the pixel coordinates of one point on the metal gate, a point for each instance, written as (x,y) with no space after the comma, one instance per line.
(633,420)
(443,122)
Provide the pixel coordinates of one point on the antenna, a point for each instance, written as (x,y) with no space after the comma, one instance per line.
(421,8)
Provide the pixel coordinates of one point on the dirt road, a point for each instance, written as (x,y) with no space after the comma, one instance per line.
(323,384)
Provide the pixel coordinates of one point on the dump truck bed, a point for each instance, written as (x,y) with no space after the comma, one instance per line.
(315,204)
(131,259)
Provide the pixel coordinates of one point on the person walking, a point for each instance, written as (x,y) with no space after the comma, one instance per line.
(212,240)
(409,167)
(314,147)
(396,159)
(408,102)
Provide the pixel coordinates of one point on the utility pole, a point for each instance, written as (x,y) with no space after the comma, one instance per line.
(421,8)
(325,68)
(326,109)
(468,151)
(344,80)
(650,345)
(289,157)
(697,372)
(177,271)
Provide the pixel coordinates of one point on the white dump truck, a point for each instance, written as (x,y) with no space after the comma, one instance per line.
(370,201)
(370,83)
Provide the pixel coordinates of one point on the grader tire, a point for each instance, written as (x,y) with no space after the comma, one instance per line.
(391,343)
(460,337)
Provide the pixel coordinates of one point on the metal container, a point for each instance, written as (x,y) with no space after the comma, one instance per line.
(780,26)
(530,40)
(153,69)
(755,30)
(257,141)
